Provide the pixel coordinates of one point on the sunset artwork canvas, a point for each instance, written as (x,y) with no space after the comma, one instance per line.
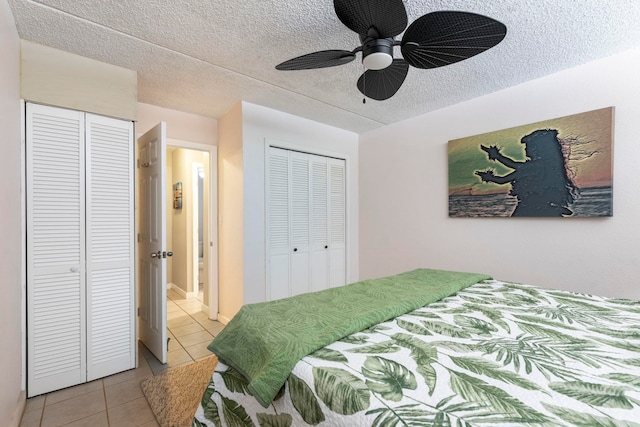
(561,167)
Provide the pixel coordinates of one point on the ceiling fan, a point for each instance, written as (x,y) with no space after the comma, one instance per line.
(433,40)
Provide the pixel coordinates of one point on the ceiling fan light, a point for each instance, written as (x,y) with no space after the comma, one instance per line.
(377,61)
(377,54)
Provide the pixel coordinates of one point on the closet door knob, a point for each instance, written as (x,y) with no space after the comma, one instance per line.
(156,254)
(325,246)
(295,249)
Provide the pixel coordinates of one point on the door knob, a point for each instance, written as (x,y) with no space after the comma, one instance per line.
(169,253)
(156,254)
(295,249)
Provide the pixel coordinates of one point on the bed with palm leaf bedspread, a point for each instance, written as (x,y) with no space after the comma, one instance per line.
(488,353)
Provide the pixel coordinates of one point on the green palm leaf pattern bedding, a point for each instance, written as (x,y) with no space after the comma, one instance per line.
(493,354)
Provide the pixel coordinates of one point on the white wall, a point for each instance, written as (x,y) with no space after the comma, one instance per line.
(55,77)
(260,123)
(11,248)
(230,216)
(180,125)
(403,191)
(243,132)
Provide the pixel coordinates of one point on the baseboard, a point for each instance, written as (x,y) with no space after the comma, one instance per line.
(223,319)
(17,414)
(179,290)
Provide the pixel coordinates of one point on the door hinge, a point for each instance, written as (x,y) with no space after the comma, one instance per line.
(139,237)
(138,311)
(138,163)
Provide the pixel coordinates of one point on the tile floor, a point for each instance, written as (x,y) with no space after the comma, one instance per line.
(117,400)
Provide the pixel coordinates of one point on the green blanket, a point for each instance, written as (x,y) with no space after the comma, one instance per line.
(264,341)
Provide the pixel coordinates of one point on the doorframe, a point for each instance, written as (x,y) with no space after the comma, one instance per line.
(212,302)
(195,262)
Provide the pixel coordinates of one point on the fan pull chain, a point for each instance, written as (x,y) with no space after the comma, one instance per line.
(364,84)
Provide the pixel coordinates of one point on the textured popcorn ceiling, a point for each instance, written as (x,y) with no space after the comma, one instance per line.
(203,56)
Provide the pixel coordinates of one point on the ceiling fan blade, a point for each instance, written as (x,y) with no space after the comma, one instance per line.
(442,38)
(389,17)
(321,59)
(383,84)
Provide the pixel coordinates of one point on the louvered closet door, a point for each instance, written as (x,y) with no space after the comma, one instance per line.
(300,223)
(55,249)
(306,220)
(110,250)
(278,223)
(337,222)
(319,225)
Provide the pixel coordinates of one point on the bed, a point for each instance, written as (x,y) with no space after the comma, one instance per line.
(478,352)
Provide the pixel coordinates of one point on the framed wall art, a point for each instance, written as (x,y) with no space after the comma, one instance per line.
(177,195)
(561,167)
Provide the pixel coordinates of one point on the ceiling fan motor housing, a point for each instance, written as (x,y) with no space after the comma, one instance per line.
(377,54)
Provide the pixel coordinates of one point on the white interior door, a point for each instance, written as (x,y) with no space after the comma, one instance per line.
(152,251)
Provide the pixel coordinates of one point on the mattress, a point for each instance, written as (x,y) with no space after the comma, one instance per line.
(491,354)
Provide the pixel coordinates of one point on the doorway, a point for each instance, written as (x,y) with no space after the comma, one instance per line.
(191,296)
(188,222)
(192,270)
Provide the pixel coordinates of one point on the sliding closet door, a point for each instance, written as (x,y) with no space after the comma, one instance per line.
(110,250)
(55,249)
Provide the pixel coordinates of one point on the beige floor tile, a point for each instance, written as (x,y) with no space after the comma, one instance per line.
(173,307)
(183,301)
(35,403)
(132,413)
(73,409)
(193,307)
(178,314)
(200,315)
(182,320)
(195,338)
(198,351)
(124,392)
(71,392)
(131,374)
(178,357)
(186,329)
(153,423)
(215,330)
(97,420)
(31,418)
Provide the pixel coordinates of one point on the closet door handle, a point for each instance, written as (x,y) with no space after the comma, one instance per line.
(156,254)
(295,249)
(326,247)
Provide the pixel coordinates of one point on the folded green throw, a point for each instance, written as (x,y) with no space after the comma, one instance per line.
(264,341)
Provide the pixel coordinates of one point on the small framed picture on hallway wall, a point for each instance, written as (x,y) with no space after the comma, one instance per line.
(177,195)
